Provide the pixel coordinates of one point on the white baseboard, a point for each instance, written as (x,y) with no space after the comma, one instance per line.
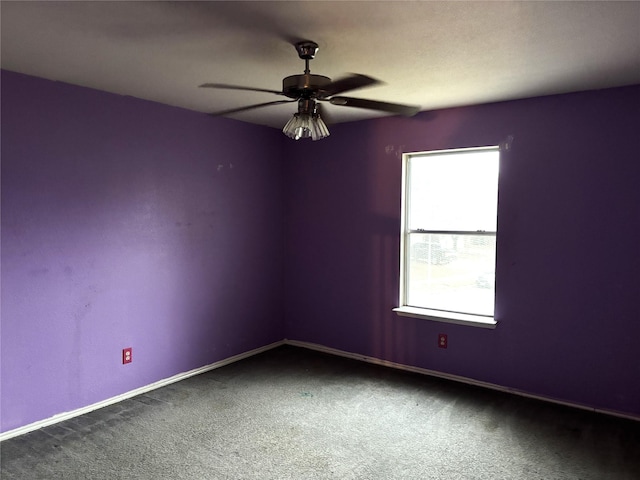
(138,391)
(311,346)
(456,378)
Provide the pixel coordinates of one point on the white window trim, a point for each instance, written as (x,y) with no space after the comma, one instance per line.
(404,310)
(447,317)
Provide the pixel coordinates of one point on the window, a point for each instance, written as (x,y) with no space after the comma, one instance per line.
(448,237)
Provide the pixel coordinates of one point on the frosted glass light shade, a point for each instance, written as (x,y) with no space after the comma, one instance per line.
(305,125)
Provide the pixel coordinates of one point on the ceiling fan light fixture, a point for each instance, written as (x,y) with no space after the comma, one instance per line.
(304,125)
(320,130)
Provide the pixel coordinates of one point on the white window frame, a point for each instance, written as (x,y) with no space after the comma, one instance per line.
(403,309)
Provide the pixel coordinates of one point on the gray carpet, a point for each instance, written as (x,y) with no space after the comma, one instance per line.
(292,413)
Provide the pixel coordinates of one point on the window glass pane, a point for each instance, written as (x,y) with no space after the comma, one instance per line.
(451,272)
(453,191)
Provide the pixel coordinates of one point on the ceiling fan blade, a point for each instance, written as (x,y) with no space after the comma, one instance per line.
(406,110)
(250,107)
(352,82)
(238,87)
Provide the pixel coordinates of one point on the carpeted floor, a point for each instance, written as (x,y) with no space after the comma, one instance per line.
(291,413)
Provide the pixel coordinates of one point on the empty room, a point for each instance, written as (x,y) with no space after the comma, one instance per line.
(327,240)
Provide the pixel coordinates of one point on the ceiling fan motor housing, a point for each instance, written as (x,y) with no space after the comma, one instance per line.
(304,85)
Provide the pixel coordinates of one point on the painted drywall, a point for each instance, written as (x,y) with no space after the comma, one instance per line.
(127,223)
(568,266)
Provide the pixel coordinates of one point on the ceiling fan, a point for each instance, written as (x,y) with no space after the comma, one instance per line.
(308,89)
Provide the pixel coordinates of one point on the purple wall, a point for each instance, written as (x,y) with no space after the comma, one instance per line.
(127,223)
(568,273)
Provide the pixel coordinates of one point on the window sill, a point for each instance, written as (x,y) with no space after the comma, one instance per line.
(447,317)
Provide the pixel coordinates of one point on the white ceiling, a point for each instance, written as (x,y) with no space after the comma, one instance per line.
(433,54)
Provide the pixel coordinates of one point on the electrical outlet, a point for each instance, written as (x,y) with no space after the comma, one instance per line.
(127,355)
(442,340)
